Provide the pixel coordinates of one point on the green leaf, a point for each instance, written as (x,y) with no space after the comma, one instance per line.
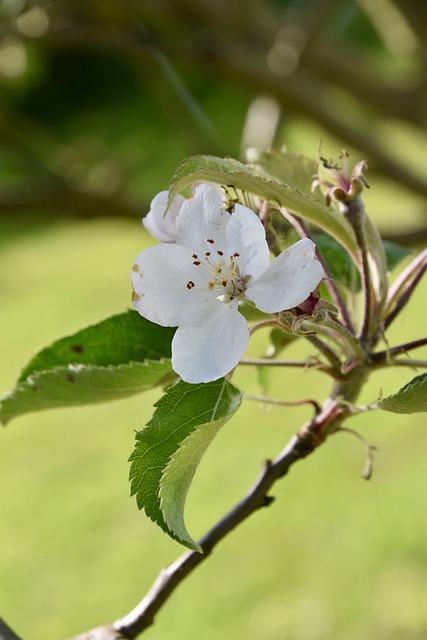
(292,168)
(121,339)
(395,253)
(169,449)
(378,255)
(341,266)
(79,384)
(116,358)
(227,171)
(412,398)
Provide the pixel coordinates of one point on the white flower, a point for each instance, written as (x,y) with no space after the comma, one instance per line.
(219,259)
(161,223)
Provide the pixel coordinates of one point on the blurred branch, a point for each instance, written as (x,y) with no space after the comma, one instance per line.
(258,46)
(55,199)
(242,59)
(411,238)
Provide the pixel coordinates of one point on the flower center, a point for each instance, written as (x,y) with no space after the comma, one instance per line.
(225,280)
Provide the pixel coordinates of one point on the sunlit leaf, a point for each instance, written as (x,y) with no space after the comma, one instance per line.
(80,384)
(292,168)
(169,449)
(115,358)
(255,180)
(412,398)
(123,338)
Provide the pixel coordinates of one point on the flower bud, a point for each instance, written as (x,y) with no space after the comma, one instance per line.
(336,182)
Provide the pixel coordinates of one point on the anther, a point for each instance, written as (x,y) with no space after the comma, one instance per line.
(210,240)
(196,262)
(220,253)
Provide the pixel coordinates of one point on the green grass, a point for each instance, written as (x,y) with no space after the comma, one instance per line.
(333,557)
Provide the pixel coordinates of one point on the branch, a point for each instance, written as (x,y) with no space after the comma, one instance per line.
(412,237)
(300,446)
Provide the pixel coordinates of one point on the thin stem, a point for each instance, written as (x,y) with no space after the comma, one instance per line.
(347,335)
(403,363)
(356,215)
(327,326)
(384,356)
(270,362)
(264,323)
(405,297)
(282,403)
(329,280)
(400,283)
(327,352)
(369,449)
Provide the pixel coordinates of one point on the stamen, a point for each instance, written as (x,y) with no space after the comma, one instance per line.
(222,274)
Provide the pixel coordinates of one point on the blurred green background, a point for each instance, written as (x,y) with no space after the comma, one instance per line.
(99,102)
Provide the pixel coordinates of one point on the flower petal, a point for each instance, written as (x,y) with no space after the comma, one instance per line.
(246,236)
(289,279)
(208,350)
(162,279)
(203,219)
(161,223)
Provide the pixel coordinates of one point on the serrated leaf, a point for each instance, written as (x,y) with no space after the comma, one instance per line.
(412,398)
(257,181)
(293,168)
(123,338)
(118,357)
(79,384)
(169,449)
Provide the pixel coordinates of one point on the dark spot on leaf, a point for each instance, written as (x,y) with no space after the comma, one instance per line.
(71,377)
(77,348)
(33,387)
